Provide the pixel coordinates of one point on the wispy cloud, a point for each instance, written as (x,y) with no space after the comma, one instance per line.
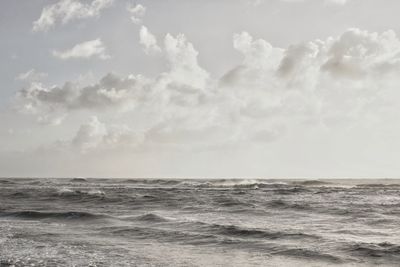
(31,75)
(65,11)
(89,49)
(137,12)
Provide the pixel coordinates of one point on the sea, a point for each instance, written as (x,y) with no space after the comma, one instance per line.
(199,222)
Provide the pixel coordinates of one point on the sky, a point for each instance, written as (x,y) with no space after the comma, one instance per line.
(202,89)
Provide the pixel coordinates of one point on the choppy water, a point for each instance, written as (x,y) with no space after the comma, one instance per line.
(139,222)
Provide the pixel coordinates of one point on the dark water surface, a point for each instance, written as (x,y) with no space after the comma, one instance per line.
(150,222)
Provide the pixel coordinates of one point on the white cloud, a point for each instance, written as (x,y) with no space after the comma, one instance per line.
(89,49)
(182,58)
(341,80)
(149,41)
(65,11)
(338,79)
(359,53)
(137,12)
(31,76)
(96,135)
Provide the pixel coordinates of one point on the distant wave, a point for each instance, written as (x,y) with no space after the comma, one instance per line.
(6,182)
(78,180)
(38,215)
(312,183)
(73,192)
(377,185)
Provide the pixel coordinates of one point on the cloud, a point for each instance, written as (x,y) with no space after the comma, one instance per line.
(89,49)
(148,41)
(183,82)
(96,135)
(359,53)
(137,12)
(110,91)
(65,11)
(336,2)
(342,81)
(31,76)
(53,119)
(182,58)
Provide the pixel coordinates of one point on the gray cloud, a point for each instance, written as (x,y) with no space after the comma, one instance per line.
(110,91)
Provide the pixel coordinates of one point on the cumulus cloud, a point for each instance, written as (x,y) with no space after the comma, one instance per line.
(346,79)
(96,135)
(148,41)
(65,11)
(358,53)
(89,49)
(183,82)
(137,12)
(336,79)
(31,75)
(110,91)
(182,58)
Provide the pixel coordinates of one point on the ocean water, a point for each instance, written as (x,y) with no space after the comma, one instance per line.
(161,222)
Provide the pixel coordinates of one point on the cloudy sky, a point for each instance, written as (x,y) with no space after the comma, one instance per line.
(190,88)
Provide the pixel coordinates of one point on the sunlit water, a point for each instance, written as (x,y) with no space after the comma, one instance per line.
(138,222)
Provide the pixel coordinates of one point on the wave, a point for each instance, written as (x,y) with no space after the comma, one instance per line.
(215,183)
(312,183)
(291,190)
(159,182)
(281,204)
(242,232)
(148,217)
(246,183)
(78,180)
(384,249)
(237,231)
(161,234)
(309,255)
(65,192)
(366,186)
(7,182)
(39,215)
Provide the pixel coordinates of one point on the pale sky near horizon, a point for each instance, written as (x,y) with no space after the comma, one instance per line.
(210,88)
